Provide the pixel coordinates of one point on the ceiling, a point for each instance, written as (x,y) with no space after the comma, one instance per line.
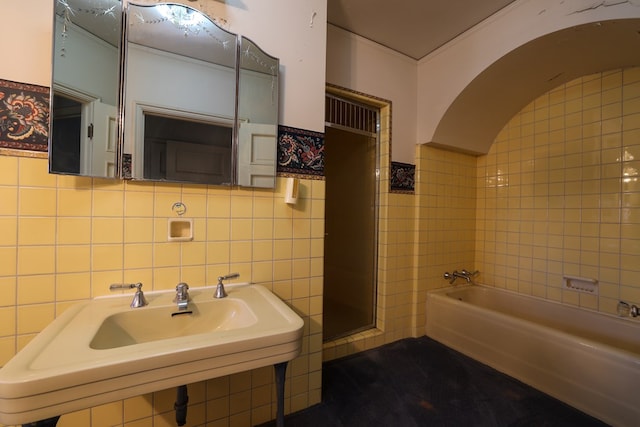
(418,27)
(491,99)
(412,27)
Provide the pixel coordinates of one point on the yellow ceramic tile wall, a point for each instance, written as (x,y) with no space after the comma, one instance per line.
(66,239)
(559,193)
(445,221)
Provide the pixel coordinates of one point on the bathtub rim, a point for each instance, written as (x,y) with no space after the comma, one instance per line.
(600,347)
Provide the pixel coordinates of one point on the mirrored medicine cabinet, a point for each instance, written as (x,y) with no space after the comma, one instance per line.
(159,92)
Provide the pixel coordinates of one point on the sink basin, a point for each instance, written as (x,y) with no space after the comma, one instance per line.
(153,324)
(102,350)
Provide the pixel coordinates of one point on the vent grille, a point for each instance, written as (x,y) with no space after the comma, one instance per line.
(351,115)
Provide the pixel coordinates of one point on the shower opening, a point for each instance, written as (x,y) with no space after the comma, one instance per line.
(351,217)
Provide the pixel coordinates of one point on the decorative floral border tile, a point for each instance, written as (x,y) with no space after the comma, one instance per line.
(300,152)
(403,177)
(126,165)
(24,116)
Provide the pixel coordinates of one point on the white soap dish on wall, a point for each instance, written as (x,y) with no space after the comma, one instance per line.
(581,284)
(180,229)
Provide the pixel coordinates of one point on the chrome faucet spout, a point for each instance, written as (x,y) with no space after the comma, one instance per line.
(182,296)
(462,275)
(469,274)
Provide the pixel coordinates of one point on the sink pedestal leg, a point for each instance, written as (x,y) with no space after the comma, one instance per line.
(50,422)
(182,399)
(281,369)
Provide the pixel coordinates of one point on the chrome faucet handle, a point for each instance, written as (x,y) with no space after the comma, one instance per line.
(182,290)
(450,277)
(138,298)
(117,286)
(220,292)
(229,276)
(624,309)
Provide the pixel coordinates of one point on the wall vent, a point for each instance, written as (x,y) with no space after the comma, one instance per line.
(351,115)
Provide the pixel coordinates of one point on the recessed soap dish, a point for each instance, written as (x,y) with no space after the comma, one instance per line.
(581,284)
(180,229)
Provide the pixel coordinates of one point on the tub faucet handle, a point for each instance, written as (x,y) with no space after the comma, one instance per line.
(626,309)
(450,277)
(623,309)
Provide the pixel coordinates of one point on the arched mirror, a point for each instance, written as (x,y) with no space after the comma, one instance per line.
(257,116)
(180,96)
(86,74)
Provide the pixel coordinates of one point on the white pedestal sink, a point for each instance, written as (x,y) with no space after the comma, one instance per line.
(102,350)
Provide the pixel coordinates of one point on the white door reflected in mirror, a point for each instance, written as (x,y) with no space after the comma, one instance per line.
(86,75)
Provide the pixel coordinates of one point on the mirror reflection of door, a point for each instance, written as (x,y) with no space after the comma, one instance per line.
(84,137)
(182,150)
(257,116)
(65,137)
(104,138)
(256,154)
(86,74)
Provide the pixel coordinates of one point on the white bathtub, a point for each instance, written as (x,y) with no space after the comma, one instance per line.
(589,360)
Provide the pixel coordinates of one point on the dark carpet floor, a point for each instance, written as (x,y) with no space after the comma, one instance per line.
(420,382)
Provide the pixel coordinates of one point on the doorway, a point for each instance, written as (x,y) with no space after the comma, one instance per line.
(351,218)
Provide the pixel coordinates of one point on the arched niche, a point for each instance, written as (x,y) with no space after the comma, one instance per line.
(482,108)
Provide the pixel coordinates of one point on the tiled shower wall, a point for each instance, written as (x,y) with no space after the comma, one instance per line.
(65,239)
(559,194)
(445,221)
